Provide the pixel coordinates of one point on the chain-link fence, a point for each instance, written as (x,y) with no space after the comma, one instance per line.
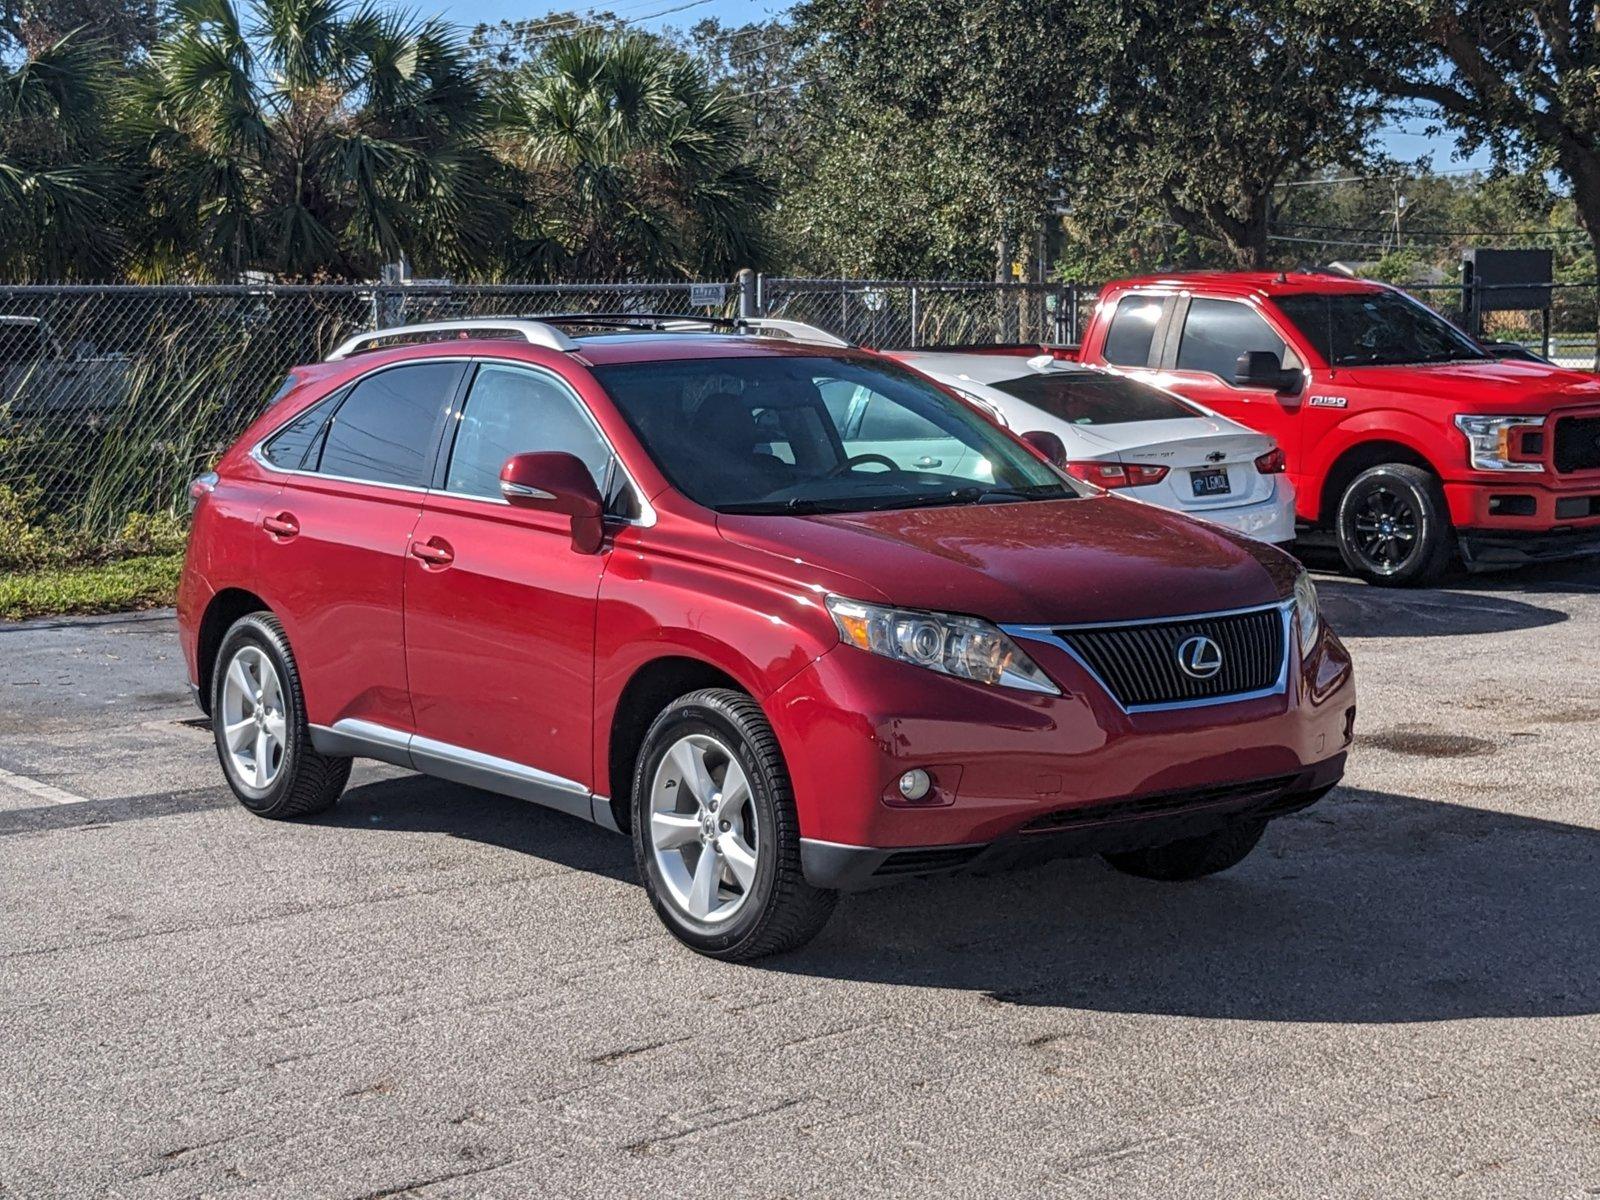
(905,314)
(112,397)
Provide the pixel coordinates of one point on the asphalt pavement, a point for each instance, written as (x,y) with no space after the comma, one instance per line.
(438,992)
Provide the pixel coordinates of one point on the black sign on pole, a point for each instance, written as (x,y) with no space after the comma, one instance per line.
(1509,280)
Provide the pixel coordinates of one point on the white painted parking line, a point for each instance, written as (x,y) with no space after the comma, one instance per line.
(39,791)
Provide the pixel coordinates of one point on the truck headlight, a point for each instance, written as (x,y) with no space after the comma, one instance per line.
(961,646)
(1307,614)
(1498,443)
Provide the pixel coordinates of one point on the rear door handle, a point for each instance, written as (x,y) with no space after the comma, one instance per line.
(435,552)
(927,460)
(281,526)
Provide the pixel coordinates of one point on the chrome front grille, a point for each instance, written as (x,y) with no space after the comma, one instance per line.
(1139,663)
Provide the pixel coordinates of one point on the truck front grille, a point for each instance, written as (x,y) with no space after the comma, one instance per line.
(1577,444)
(1139,664)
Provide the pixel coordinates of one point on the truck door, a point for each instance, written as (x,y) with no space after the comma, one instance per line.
(1199,362)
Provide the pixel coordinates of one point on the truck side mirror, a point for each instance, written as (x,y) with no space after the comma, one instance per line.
(1264,369)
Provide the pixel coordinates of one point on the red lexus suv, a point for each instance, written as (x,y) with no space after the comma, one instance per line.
(794,617)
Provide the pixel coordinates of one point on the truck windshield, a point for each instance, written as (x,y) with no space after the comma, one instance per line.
(1358,329)
(791,434)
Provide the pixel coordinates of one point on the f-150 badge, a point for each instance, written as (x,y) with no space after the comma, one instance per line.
(1330,402)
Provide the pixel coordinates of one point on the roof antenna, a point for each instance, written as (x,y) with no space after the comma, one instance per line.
(1283,277)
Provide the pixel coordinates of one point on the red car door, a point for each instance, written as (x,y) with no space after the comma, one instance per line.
(1212,336)
(500,609)
(334,539)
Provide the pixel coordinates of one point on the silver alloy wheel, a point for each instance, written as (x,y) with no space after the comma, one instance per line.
(703,829)
(253,721)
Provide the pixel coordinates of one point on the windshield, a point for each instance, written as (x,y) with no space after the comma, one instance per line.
(797,435)
(1358,329)
(1087,398)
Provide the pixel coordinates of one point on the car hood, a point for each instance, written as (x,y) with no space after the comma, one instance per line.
(1487,386)
(1100,558)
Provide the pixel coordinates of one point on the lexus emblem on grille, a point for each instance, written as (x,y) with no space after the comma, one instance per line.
(1200,657)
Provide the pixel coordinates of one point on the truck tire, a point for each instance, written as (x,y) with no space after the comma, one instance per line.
(1394,528)
(1192,858)
(715,834)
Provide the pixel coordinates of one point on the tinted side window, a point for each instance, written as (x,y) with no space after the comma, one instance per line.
(384,431)
(1133,328)
(511,411)
(1217,332)
(885,421)
(287,449)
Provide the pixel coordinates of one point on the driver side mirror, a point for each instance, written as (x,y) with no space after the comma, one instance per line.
(558,482)
(1050,447)
(1264,369)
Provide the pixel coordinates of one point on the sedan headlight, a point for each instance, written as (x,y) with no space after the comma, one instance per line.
(961,646)
(1493,443)
(1307,614)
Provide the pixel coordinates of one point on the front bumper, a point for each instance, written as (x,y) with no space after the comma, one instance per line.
(1007,763)
(1100,829)
(1525,518)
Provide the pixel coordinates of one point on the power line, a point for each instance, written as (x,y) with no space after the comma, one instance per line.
(1384,178)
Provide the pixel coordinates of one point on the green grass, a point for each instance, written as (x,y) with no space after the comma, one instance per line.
(145,581)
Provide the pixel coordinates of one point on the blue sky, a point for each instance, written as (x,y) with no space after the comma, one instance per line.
(1405,141)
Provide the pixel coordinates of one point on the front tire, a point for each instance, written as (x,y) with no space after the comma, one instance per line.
(1394,527)
(258,720)
(1192,858)
(715,835)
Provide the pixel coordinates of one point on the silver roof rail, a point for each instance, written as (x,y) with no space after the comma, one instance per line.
(535,333)
(795,331)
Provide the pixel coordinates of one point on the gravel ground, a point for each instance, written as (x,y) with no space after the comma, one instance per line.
(440,992)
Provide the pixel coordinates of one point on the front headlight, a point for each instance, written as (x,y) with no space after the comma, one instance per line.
(1493,442)
(961,646)
(1307,614)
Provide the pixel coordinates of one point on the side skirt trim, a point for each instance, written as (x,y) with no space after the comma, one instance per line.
(367,739)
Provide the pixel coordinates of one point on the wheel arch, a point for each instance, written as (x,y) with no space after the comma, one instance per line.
(224,608)
(653,685)
(1362,456)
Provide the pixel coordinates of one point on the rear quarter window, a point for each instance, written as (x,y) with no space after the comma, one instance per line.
(1133,331)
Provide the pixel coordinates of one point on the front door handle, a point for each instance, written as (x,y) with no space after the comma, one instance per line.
(928,460)
(281,526)
(435,552)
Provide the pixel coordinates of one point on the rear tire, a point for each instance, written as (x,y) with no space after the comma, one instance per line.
(1394,527)
(258,720)
(1192,858)
(715,834)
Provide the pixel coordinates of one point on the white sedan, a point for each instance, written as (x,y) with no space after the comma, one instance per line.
(1145,443)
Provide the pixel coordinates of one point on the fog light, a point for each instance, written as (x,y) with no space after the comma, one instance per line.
(915,784)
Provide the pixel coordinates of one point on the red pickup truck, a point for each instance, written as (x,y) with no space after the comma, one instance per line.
(1407,439)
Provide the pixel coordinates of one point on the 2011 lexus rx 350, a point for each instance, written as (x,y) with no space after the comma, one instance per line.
(646,573)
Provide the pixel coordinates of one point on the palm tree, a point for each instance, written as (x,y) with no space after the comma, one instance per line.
(633,163)
(310,139)
(57,199)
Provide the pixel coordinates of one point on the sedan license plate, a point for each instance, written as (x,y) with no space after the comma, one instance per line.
(1210,482)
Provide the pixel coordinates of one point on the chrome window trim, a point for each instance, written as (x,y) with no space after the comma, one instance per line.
(444,760)
(647,512)
(1049,634)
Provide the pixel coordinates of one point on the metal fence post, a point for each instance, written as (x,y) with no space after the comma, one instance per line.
(749,297)
(914,316)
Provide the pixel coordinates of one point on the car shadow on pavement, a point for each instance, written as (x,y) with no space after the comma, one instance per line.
(420,804)
(1355,609)
(1370,907)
